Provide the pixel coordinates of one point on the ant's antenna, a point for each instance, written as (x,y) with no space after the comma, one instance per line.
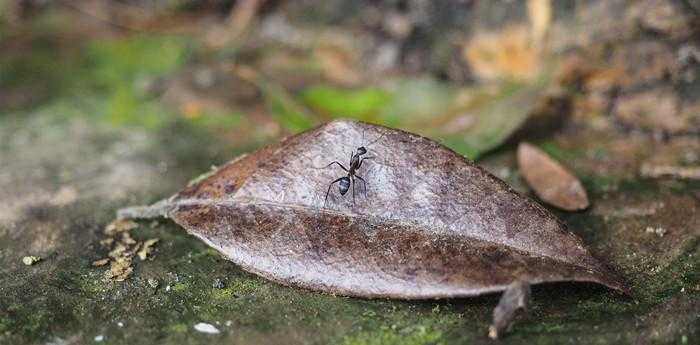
(363,136)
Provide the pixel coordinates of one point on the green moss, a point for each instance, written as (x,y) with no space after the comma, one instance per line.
(219,295)
(244,286)
(543,327)
(5,325)
(236,288)
(92,282)
(683,272)
(414,335)
(205,253)
(600,184)
(180,287)
(176,328)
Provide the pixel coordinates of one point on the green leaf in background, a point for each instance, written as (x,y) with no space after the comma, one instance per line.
(494,120)
(417,100)
(362,103)
(122,107)
(431,107)
(114,69)
(218,120)
(284,108)
(124,60)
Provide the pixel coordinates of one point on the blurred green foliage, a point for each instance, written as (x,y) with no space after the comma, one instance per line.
(123,61)
(121,69)
(360,103)
(112,80)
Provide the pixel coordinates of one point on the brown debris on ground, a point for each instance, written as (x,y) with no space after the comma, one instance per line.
(677,159)
(122,248)
(147,248)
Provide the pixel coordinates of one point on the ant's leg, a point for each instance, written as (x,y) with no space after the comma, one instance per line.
(336,162)
(363,158)
(329,190)
(364,184)
(353,191)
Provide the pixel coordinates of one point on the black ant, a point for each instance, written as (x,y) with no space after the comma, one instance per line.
(345,182)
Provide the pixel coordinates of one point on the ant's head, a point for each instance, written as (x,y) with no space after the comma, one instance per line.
(361,150)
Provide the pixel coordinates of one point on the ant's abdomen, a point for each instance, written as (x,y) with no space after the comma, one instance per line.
(343,186)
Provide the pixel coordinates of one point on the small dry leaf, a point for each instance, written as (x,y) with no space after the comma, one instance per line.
(122,247)
(127,239)
(119,269)
(516,297)
(117,251)
(107,242)
(119,225)
(551,182)
(133,250)
(431,225)
(147,248)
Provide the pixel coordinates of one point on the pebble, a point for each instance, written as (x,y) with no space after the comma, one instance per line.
(30,260)
(206,328)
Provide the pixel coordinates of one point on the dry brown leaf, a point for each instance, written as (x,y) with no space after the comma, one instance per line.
(431,225)
(552,183)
